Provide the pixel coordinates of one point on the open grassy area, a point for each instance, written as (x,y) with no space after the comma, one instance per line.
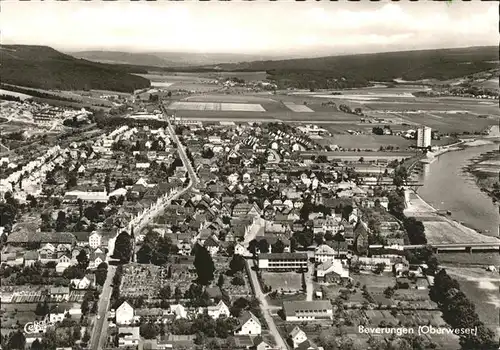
(374,281)
(283,281)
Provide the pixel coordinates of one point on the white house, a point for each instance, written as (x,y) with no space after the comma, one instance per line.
(324,253)
(331,270)
(95,240)
(63,263)
(219,310)
(178,310)
(298,336)
(239,249)
(57,314)
(249,324)
(124,314)
(212,245)
(87,282)
(128,336)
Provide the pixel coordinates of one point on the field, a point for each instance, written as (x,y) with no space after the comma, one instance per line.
(161,84)
(482,288)
(374,281)
(367,141)
(215,106)
(298,108)
(231,98)
(283,281)
(394,105)
(14,94)
(180,81)
(200,82)
(489,84)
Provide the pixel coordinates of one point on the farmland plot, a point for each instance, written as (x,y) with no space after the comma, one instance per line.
(160,84)
(215,106)
(242,107)
(298,108)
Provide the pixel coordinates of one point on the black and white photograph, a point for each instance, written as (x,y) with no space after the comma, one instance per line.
(249,175)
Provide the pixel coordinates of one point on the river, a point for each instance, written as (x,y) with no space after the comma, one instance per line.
(447,186)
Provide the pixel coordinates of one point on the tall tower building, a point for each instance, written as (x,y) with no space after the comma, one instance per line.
(424,137)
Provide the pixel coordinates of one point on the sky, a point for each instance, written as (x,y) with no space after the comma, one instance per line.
(270,28)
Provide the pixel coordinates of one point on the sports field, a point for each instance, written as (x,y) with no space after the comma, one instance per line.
(283,281)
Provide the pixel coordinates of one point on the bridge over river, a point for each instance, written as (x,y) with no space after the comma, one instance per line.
(454,247)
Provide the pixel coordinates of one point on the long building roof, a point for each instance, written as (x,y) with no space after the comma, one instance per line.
(283,256)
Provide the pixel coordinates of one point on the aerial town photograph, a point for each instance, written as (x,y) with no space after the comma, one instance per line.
(249,175)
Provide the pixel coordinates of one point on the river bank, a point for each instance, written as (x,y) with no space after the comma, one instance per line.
(440,229)
(486,170)
(448,186)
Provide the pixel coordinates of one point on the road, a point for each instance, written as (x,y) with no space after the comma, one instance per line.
(193,181)
(98,337)
(182,153)
(266,308)
(309,275)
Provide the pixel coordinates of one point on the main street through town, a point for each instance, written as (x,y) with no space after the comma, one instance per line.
(98,337)
(265,307)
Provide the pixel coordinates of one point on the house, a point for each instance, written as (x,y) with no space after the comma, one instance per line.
(87,282)
(249,324)
(246,209)
(332,270)
(95,240)
(218,310)
(370,263)
(308,310)
(259,343)
(96,258)
(324,253)
(178,310)
(308,345)
(184,248)
(415,271)
(328,224)
(297,336)
(30,257)
(246,177)
(283,261)
(63,263)
(124,314)
(212,245)
(239,249)
(128,336)
(59,293)
(57,314)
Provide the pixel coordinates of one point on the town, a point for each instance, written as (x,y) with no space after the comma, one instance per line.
(161,232)
(249,176)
